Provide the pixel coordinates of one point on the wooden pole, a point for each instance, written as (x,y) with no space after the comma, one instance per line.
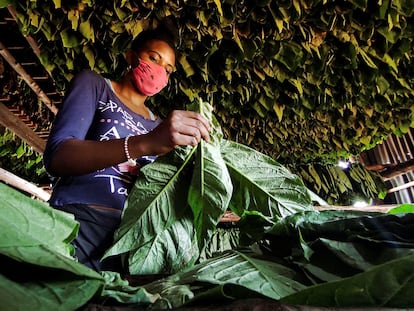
(27,78)
(17,126)
(20,183)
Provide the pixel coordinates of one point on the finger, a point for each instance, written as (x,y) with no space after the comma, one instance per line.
(186,140)
(200,126)
(190,123)
(202,120)
(192,132)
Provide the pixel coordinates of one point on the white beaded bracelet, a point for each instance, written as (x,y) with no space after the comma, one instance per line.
(131,161)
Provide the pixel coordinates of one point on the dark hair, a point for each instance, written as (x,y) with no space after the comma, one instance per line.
(164,32)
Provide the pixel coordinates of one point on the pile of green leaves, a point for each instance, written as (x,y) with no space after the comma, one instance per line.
(177,201)
(327,258)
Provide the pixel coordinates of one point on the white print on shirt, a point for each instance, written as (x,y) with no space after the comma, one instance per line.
(111,178)
(120,169)
(128,119)
(111,133)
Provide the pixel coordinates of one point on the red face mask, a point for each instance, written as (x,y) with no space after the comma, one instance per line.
(150,78)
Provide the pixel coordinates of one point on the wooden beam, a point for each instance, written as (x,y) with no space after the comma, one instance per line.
(389,171)
(33,44)
(372,208)
(401,187)
(20,183)
(17,126)
(27,78)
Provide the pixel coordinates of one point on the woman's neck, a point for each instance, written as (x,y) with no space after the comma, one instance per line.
(126,92)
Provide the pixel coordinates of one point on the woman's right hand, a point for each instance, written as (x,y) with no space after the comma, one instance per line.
(180,128)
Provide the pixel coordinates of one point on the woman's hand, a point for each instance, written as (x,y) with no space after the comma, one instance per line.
(180,128)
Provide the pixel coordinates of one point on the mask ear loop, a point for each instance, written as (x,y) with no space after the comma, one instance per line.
(129,67)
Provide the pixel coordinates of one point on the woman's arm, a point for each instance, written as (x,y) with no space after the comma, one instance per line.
(76,157)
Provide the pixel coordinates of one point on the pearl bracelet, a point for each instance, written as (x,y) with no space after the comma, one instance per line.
(131,161)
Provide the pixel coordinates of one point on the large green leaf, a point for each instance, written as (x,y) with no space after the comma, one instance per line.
(387,285)
(211,188)
(232,268)
(157,201)
(330,245)
(155,229)
(261,184)
(37,270)
(171,250)
(18,213)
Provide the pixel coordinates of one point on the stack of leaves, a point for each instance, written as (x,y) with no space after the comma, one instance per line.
(38,271)
(177,201)
(327,258)
(297,256)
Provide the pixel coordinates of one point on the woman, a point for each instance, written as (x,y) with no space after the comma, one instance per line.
(104,133)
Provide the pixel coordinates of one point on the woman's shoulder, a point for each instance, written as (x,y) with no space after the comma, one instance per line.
(87,79)
(88,75)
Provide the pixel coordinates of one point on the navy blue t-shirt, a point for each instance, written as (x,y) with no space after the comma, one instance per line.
(92,111)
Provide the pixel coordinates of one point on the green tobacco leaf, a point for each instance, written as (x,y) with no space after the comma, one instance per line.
(211,188)
(348,225)
(223,239)
(290,54)
(19,228)
(63,292)
(387,285)
(37,270)
(403,208)
(157,200)
(343,243)
(69,39)
(5,3)
(118,288)
(155,218)
(262,184)
(86,29)
(172,250)
(231,269)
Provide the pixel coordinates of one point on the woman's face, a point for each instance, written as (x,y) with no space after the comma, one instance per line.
(159,52)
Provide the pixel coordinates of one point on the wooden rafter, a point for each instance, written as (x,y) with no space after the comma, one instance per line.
(17,126)
(32,42)
(26,77)
(389,171)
